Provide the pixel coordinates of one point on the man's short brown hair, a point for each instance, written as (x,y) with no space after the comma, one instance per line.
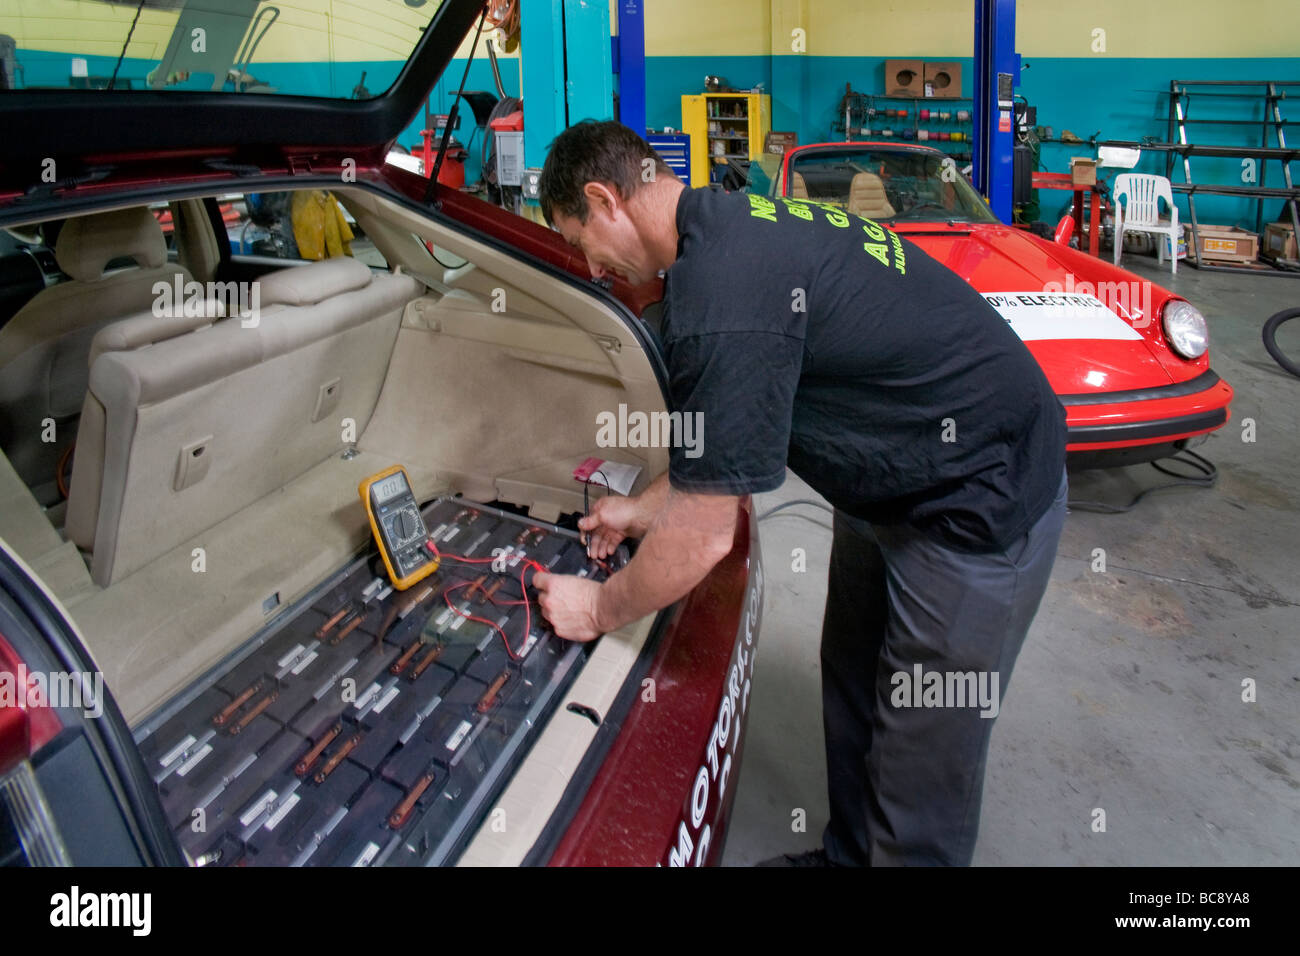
(601,152)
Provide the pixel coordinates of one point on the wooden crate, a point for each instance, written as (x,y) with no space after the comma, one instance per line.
(1222,244)
(1279,241)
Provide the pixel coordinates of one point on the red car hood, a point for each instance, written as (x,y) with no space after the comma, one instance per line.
(1065,306)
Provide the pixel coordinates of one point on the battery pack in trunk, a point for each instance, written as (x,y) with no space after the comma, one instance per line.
(367,726)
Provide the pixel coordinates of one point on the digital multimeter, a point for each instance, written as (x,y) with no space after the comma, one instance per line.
(398,526)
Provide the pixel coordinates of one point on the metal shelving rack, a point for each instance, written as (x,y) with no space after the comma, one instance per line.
(728,134)
(739,121)
(1272,93)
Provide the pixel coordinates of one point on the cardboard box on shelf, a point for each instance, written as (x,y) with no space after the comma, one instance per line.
(1222,244)
(904,77)
(1279,241)
(1083,171)
(942,80)
(779,142)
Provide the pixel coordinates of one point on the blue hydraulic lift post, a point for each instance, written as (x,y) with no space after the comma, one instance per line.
(997,73)
(631,64)
(590,61)
(553,34)
(541,75)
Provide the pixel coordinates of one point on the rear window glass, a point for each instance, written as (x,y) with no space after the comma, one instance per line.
(343,49)
(309,224)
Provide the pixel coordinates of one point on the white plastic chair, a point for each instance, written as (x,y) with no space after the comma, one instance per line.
(1141,213)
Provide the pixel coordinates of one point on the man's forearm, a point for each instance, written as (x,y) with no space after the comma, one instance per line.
(687,536)
(652,502)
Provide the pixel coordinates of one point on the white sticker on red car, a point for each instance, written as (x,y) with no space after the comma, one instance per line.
(1059,315)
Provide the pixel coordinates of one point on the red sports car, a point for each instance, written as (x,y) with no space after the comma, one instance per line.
(203,657)
(1128,359)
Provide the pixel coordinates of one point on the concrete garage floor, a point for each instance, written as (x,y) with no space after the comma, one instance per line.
(1128,693)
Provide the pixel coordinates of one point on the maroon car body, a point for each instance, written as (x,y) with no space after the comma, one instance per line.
(658,783)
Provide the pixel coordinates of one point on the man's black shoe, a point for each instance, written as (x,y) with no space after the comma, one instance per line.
(811,858)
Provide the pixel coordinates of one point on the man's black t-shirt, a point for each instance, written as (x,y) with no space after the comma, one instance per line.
(807,336)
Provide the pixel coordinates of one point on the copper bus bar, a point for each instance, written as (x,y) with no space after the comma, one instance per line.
(399,665)
(338,757)
(434,653)
(328,626)
(405,603)
(313,755)
(229,710)
(403,810)
(488,593)
(490,697)
(349,625)
(253,711)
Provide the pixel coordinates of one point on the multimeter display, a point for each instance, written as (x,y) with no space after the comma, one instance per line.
(398,526)
(386,489)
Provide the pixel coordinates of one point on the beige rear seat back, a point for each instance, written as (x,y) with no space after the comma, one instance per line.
(201,424)
(43,348)
(88,463)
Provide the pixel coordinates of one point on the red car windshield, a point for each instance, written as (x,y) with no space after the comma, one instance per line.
(887,185)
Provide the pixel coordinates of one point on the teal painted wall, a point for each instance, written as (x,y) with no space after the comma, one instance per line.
(668,77)
(1119,98)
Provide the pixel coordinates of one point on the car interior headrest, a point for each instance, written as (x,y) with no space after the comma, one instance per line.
(145,329)
(86,244)
(309,284)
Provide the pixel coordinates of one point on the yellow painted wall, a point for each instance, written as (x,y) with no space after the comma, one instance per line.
(707,27)
(935,28)
(386,29)
(498,41)
(306,31)
(945,28)
(81,26)
(1160,28)
(832,27)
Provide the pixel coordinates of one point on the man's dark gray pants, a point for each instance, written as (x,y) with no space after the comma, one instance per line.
(906,782)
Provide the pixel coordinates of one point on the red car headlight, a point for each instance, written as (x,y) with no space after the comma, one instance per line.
(1185,329)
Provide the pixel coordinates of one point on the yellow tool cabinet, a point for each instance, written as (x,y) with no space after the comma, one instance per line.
(737,122)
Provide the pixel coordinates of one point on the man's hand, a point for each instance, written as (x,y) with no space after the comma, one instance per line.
(569,603)
(611,520)
(684,535)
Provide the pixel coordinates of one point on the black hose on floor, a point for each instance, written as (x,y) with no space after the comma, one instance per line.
(1209,474)
(1270,340)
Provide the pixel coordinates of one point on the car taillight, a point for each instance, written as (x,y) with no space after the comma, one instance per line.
(24,729)
(28,833)
(15,740)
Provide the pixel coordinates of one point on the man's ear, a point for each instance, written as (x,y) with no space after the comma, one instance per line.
(601,198)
